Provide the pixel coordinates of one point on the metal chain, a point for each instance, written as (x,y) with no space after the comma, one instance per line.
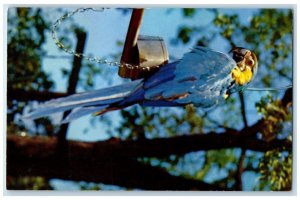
(81,55)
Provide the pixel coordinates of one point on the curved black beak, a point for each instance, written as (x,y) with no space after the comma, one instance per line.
(238,53)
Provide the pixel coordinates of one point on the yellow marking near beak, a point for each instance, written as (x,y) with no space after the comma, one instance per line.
(242,77)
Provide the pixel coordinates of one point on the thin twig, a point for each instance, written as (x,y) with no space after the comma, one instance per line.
(239,181)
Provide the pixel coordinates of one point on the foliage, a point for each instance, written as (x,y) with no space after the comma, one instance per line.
(274,114)
(275,166)
(28,183)
(26,35)
(276,171)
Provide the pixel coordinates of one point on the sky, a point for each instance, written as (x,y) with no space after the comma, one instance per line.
(104,29)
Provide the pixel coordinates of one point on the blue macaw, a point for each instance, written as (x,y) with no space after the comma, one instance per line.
(203,77)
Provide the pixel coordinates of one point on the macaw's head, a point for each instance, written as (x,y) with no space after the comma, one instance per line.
(246,65)
(244,58)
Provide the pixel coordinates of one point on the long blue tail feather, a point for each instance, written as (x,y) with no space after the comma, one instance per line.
(85,102)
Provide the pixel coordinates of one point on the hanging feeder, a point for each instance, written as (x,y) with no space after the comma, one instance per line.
(147,53)
(142,55)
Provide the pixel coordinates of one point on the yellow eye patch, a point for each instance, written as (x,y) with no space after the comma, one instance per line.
(242,77)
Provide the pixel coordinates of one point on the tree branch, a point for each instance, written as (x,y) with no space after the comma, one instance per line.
(112,161)
(239,172)
(287,97)
(35,156)
(160,147)
(72,84)
(115,171)
(243,109)
(32,95)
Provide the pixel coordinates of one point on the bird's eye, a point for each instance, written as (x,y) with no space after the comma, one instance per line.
(250,62)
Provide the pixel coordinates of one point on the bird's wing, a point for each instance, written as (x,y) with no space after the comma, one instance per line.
(201,77)
(164,74)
